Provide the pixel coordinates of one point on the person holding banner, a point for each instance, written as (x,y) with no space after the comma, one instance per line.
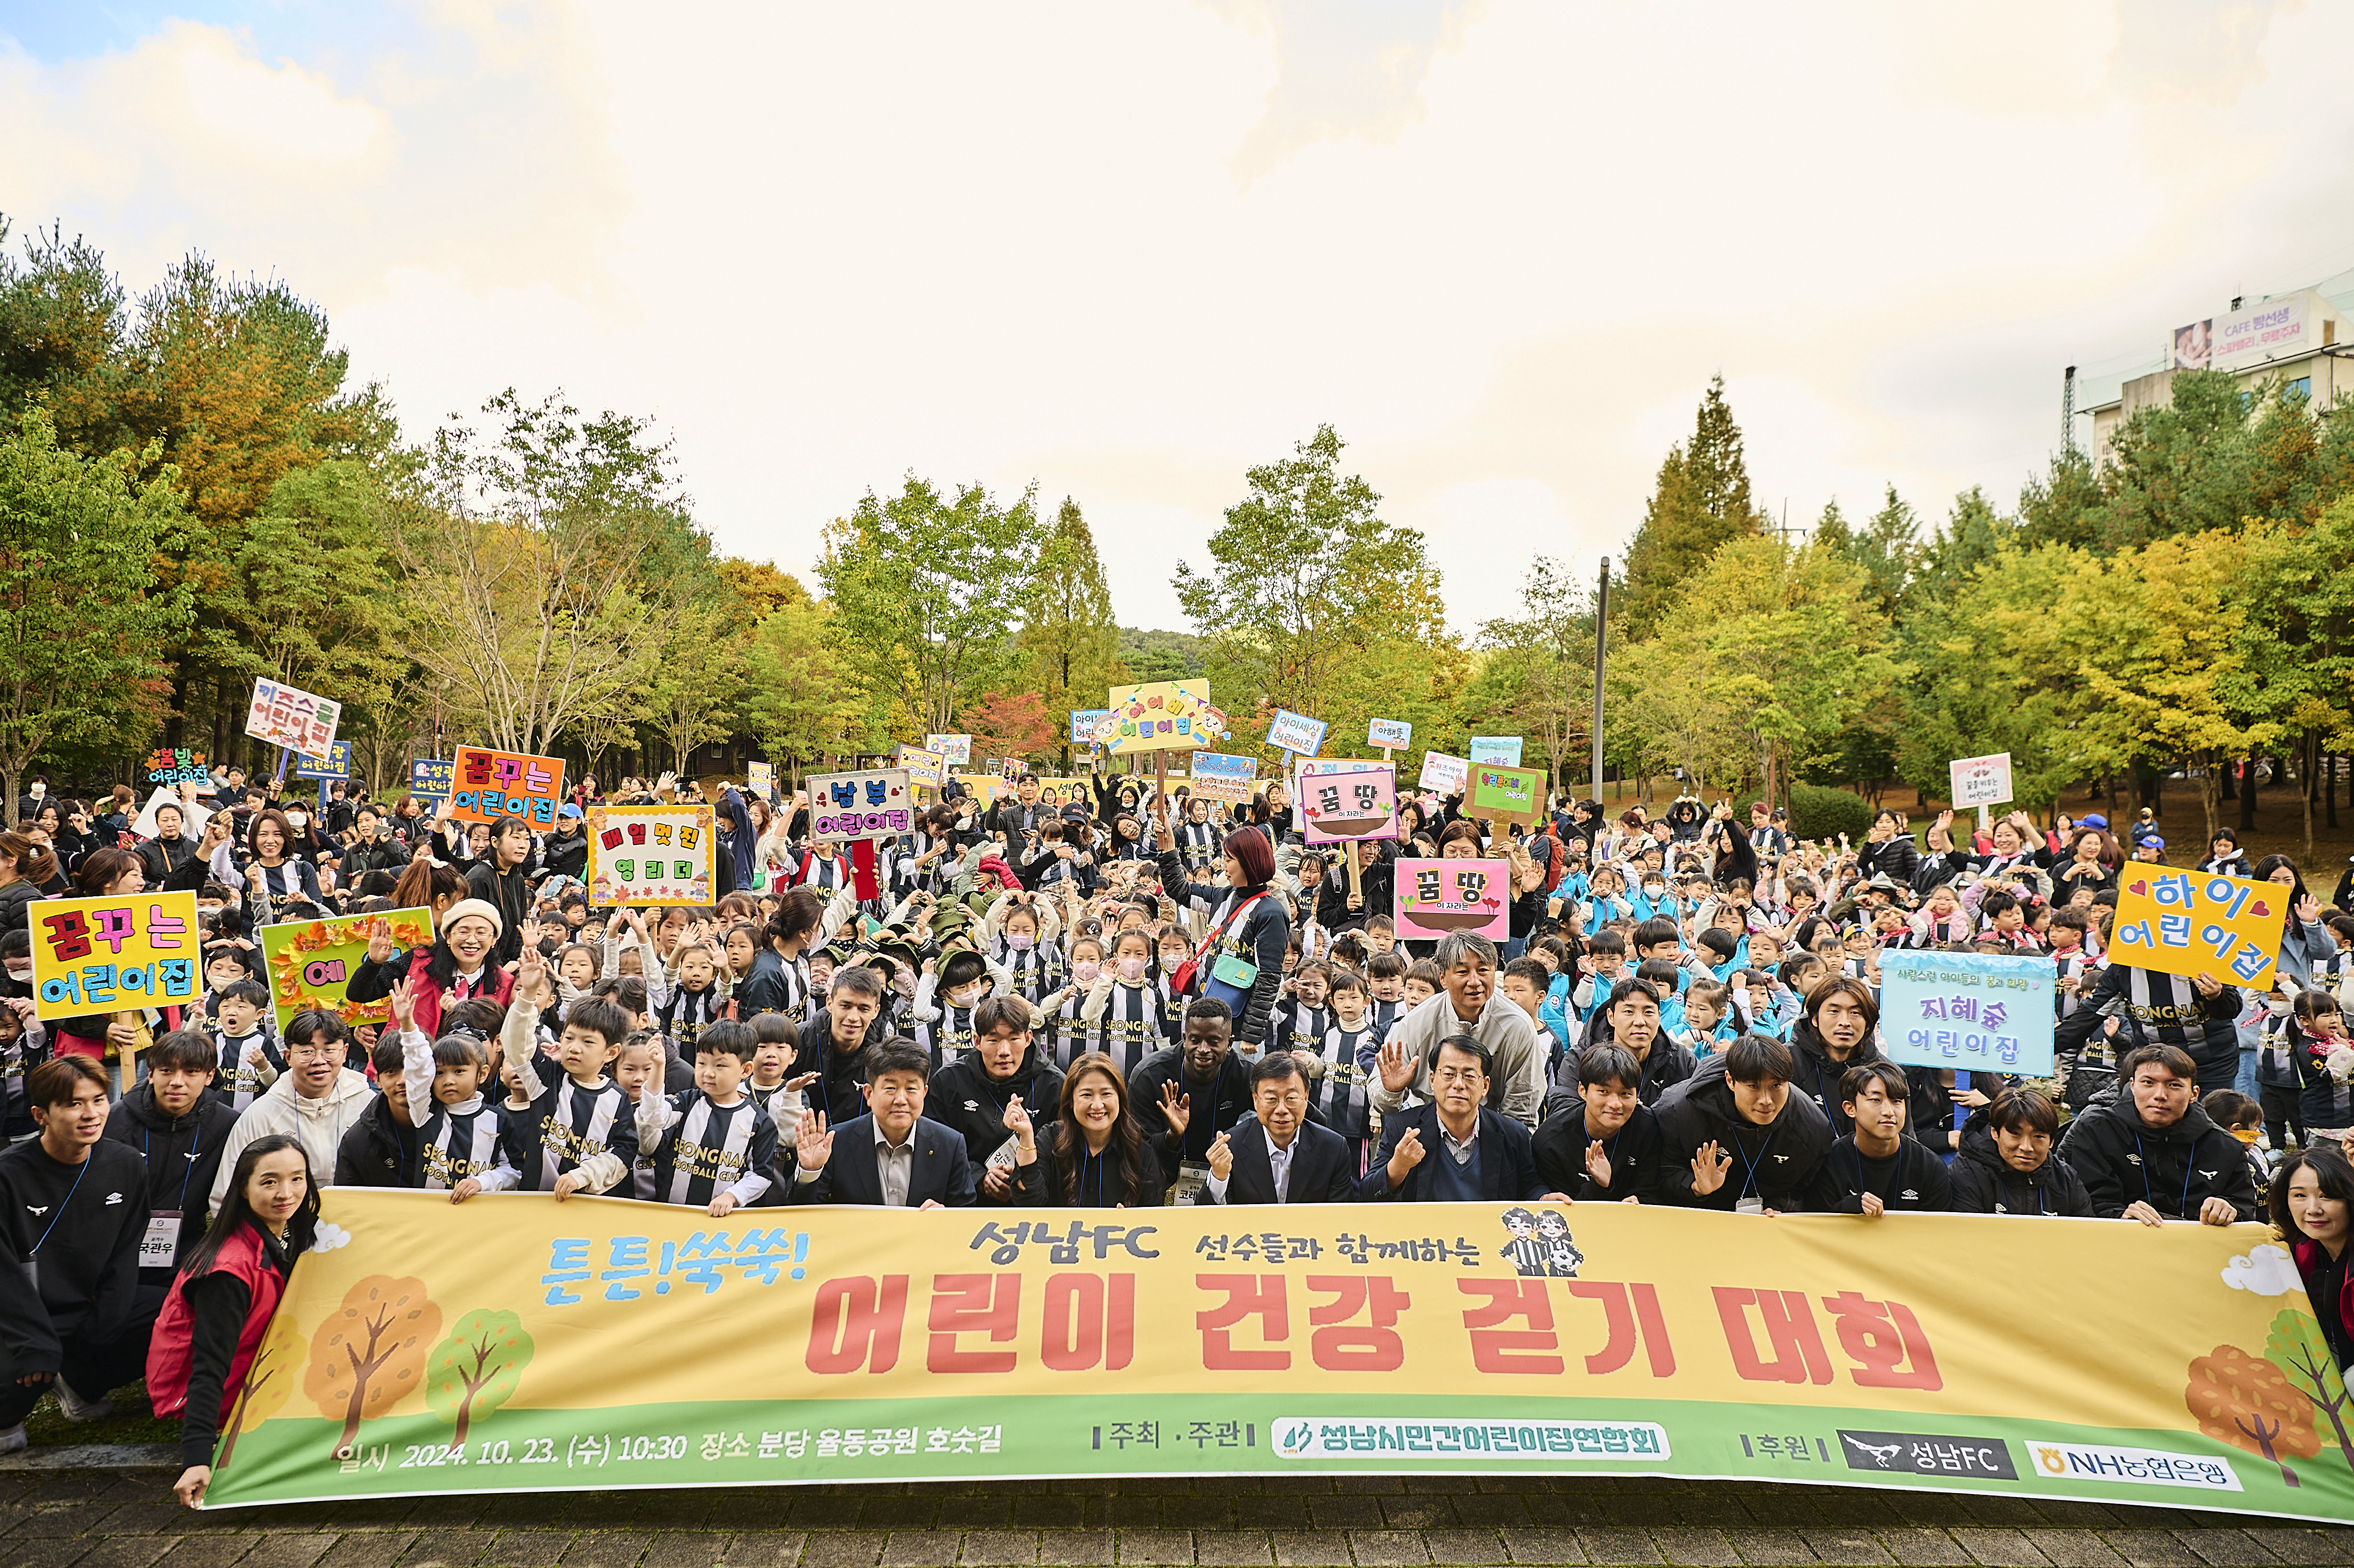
(1736,1138)
(894,1156)
(2312,1211)
(1452,1148)
(1277,1155)
(2006,1166)
(2153,1154)
(2196,1016)
(1095,1156)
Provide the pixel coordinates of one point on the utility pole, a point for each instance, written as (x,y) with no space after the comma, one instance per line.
(2068,413)
(1601,647)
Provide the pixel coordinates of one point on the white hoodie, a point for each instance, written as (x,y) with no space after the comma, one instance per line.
(319,1123)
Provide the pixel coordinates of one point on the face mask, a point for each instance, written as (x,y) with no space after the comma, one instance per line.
(2248,1134)
(969,995)
(1131,970)
(23,975)
(904,982)
(297,820)
(1019,940)
(1085,971)
(1652,890)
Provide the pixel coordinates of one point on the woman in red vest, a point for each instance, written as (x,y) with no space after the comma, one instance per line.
(221,1304)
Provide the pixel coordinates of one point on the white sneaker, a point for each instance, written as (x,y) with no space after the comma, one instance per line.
(77,1408)
(13,1440)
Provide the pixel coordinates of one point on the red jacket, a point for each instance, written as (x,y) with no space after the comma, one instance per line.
(168,1352)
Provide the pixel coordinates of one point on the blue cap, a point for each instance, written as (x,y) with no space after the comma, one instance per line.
(2093,820)
(567,810)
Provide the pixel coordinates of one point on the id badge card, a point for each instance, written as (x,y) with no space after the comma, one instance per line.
(160,1246)
(1193,1176)
(1002,1156)
(1749,1206)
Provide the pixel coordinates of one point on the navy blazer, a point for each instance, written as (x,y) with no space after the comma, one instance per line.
(939,1172)
(1323,1165)
(1508,1160)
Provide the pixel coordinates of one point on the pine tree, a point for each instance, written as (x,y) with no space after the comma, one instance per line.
(1702,499)
(1890,550)
(1832,530)
(1068,630)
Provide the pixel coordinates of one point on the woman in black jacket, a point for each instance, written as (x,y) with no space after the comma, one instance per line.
(1248,920)
(1888,847)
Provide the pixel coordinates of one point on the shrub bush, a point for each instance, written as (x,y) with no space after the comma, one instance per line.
(1821,813)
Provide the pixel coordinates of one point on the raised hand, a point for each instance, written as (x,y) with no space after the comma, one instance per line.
(1017,1122)
(1222,1156)
(1396,1068)
(1598,1163)
(1710,1166)
(380,949)
(403,1002)
(1405,1156)
(813,1140)
(1178,1109)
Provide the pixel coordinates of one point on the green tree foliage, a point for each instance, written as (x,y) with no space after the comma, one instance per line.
(1161,655)
(1700,501)
(477,1368)
(2209,460)
(807,698)
(1537,679)
(61,322)
(2057,508)
(1309,588)
(81,616)
(1067,629)
(932,584)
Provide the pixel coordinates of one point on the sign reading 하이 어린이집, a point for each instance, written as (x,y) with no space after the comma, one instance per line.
(1504,750)
(1217,776)
(1159,716)
(650,854)
(310,963)
(284,715)
(875,803)
(1347,801)
(487,785)
(1980,781)
(1295,733)
(1432,898)
(1980,1013)
(1389,732)
(2190,922)
(429,777)
(1606,1340)
(1445,774)
(115,953)
(1505,794)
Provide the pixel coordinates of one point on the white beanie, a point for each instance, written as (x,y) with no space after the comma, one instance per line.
(466,907)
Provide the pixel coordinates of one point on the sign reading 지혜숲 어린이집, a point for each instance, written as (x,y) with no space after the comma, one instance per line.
(309,964)
(645,856)
(486,785)
(873,803)
(114,953)
(1979,1012)
(1431,898)
(516,1346)
(2190,922)
(1346,801)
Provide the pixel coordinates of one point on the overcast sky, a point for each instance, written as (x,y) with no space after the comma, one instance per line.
(1128,250)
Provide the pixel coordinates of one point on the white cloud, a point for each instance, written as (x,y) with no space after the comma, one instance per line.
(2264,1270)
(330,1237)
(1129,251)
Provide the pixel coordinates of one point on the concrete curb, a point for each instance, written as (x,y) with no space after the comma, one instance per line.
(95,1457)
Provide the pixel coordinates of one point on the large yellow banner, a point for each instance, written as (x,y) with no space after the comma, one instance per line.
(516,1344)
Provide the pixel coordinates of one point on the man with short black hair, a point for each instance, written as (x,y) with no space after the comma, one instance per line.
(834,1040)
(1605,1145)
(892,1156)
(1183,1095)
(1738,1108)
(2151,1153)
(1452,1148)
(1469,1003)
(1275,1155)
(1876,1167)
(970,1094)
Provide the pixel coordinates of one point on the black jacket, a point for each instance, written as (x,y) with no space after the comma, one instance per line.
(1210,1109)
(1508,1160)
(182,1157)
(510,895)
(1916,1178)
(1635,1154)
(1323,1167)
(941,1172)
(1985,1184)
(376,1150)
(1900,857)
(963,1096)
(2155,1008)
(2122,1161)
(1665,1064)
(1775,1162)
(837,1091)
(1263,934)
(564,854)
(1039,1184)
(92,1216)
(1818,1074)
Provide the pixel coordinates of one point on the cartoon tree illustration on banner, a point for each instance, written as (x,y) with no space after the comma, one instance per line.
(370,1352)
(476,1369)
(268,1381)
(2296,1347)
(2246,1401)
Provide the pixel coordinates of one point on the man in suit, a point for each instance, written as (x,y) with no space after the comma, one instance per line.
(1020,816)
(892,1156)
(1277,1155)
(1452,1148)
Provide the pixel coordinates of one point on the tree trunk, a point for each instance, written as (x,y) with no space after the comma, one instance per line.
(2328,789)
(2247,799)
(2211,793)
(2306,767)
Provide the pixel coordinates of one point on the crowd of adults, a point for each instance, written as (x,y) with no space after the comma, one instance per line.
(1125,999)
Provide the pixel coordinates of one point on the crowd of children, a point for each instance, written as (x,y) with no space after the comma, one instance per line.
(1127,1000)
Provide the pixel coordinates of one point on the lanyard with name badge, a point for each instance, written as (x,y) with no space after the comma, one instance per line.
(160,1246)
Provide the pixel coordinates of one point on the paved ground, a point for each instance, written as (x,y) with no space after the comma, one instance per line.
(125,1519)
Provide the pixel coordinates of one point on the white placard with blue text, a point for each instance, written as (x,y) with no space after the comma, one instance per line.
(1979,1012)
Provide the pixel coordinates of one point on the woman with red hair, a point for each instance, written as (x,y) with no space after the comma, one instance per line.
(1241,964)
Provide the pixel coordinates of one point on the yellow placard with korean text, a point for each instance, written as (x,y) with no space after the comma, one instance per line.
(2188,923)
(120,953)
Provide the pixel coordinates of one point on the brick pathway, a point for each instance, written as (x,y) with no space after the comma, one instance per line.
(125,1519)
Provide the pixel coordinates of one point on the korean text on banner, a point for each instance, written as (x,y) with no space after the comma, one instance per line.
(488,785)
(1295,733)
(293,719)
(1343,802)
(955,748)
(650,854)
(1062,790)
(2186,922)
(1445,774)
(175,765)
(429,777)
(310,963)
(1505,794)
(1084,722)
(1504,750)
(1217,776)
(1159,716)
(1980,781)
(1389,732)
(876,803)
(1431,898)
(335,763)
(105,955)
(1604,1339)
(1978,1012)
(928,768)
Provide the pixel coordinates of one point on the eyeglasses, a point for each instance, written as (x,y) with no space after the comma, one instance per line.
(319,1053)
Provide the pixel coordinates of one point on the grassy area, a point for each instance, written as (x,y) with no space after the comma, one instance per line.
(133,1421)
